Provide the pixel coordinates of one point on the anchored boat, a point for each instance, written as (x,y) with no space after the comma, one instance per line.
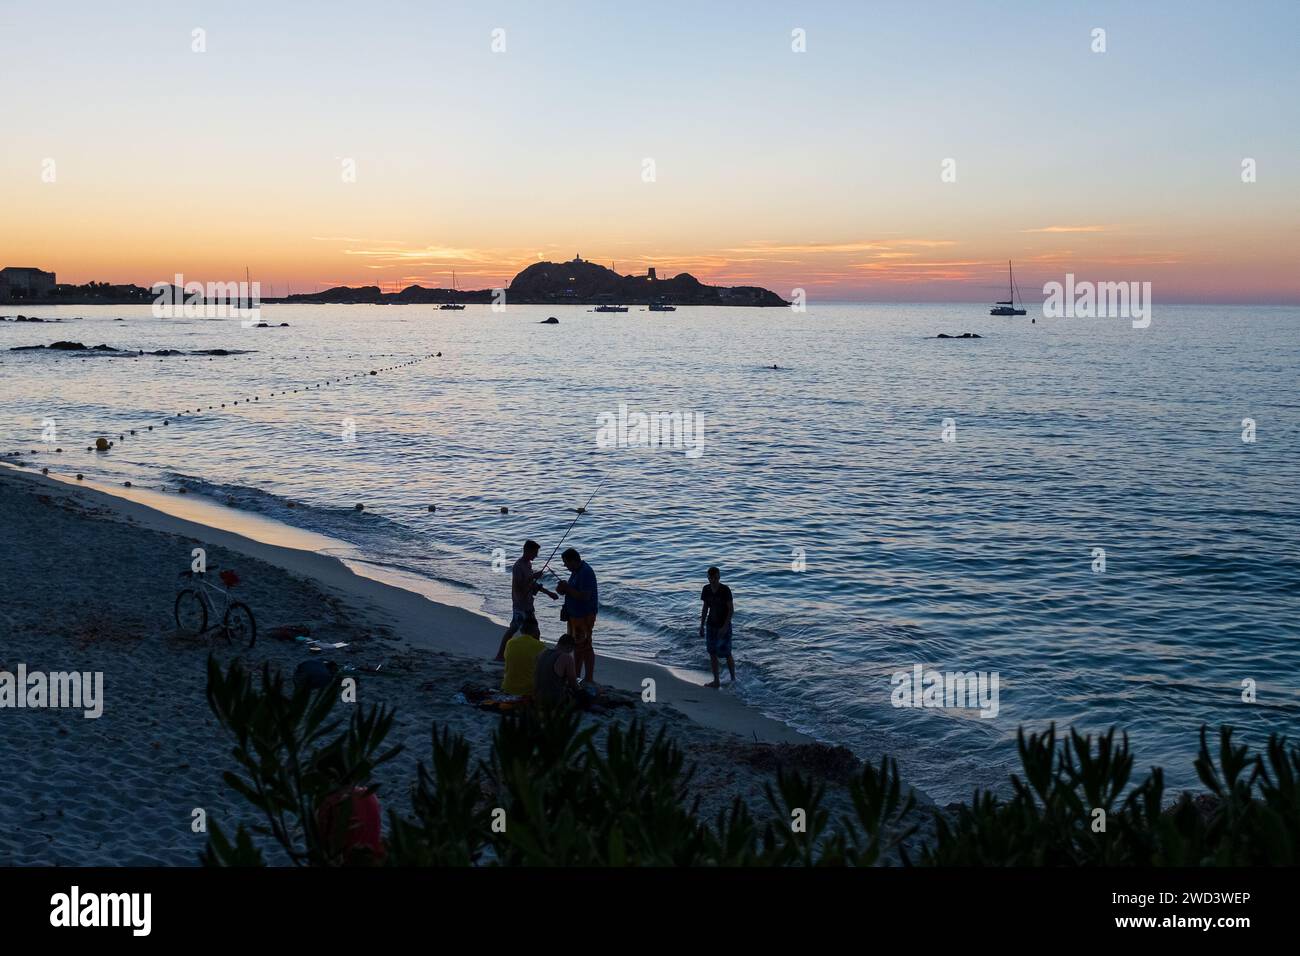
(1013,292)
(452,305)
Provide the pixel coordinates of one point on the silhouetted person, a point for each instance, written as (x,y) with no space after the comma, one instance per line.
(523,585)
(522,652)
(580,607)
(715,624)
(555,678)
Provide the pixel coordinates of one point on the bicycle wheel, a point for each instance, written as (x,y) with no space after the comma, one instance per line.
(239,624)
(191,613)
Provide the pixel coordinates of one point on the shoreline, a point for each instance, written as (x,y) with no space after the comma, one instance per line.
(87,585)
(416,616)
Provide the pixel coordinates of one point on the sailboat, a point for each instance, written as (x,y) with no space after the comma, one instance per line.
(1009,307)
(456,306)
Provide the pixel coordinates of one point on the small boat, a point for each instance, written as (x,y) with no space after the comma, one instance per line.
(1009,307)
(662,307)
(610,308)
(453,305)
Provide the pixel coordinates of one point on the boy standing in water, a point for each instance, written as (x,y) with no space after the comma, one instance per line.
(715,619)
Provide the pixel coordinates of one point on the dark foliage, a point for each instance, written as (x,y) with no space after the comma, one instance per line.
(548,794)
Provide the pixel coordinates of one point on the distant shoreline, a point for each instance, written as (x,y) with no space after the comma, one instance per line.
(576,282)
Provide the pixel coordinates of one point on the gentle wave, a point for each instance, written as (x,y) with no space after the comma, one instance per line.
(970,555)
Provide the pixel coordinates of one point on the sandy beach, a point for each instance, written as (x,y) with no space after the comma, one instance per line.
(88,581)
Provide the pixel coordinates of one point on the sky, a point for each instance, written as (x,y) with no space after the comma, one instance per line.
(905,154)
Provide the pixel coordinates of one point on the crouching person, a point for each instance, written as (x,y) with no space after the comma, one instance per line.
(555,680)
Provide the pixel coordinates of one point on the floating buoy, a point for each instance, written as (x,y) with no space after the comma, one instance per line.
(150,428)
(432,508)
(290,504)
(45,471)
(78,476)
(505,510)
(101,444)
(127,484)
(132,431)
(373,372)
(360,507)
(58,449)
(180,491)
(165,422)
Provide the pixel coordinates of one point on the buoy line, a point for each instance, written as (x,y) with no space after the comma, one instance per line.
(103,444)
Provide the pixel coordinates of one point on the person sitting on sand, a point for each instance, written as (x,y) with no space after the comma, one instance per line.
(715,618)
(555,679)
(580,607)
(523,585)
(522,652)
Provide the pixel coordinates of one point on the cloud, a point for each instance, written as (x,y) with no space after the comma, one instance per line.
(1069,229)
(429,255)
(822,248)
(392,242)
(908,271)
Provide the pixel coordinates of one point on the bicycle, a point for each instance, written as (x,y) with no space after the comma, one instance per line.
(195,604)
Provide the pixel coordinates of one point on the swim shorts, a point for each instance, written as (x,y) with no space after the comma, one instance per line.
(718,640)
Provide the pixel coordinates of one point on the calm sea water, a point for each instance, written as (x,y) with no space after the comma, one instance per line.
(971,555)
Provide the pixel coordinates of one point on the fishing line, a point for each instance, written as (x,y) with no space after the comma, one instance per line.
(581,511)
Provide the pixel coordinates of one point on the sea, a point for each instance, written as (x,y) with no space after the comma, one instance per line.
(1102,522)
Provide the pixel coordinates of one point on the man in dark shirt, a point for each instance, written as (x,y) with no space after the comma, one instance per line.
(715,624)
(523,585)
(581,602)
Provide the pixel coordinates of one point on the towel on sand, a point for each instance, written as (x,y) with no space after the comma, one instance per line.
(489,699)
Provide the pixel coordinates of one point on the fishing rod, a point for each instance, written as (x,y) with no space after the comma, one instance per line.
(581,511)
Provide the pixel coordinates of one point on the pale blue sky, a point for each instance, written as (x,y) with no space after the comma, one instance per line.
(460,148)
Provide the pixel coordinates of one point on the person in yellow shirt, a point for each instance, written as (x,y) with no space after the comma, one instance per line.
(521,659)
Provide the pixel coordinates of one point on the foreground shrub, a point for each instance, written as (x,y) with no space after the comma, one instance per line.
(548,794)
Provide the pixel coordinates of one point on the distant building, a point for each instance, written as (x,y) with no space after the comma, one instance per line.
(25,281)
(651,274)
